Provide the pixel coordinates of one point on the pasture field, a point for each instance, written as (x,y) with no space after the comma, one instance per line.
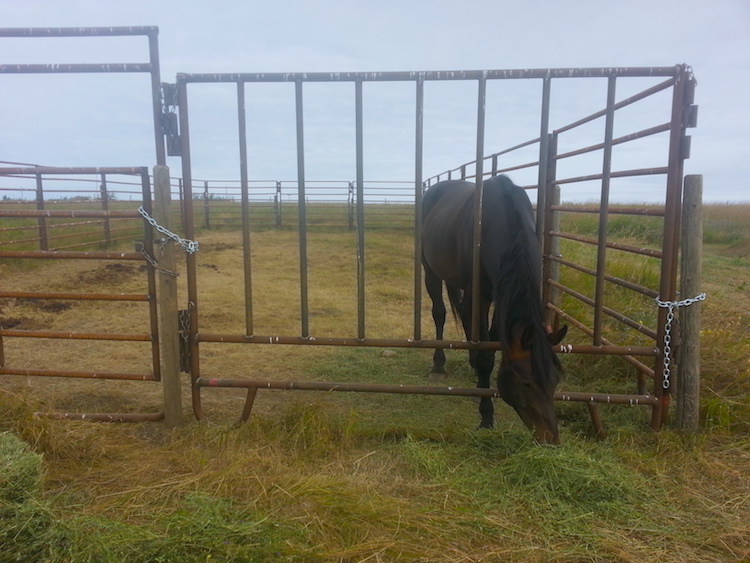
(336,477)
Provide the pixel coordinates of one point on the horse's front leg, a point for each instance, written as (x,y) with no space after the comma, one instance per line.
(483,361)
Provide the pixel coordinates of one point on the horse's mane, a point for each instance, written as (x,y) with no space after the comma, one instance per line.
(517,289)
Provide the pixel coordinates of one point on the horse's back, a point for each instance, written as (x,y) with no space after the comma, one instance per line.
(446,229)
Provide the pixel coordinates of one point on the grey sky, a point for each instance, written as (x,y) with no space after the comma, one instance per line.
(104,120)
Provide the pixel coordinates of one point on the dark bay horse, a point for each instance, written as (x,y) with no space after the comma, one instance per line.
(510,262)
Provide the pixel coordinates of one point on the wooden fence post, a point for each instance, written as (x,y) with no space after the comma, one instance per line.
(169,330)
(688,382)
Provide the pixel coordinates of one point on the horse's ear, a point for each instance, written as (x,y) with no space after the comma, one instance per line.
(556,337)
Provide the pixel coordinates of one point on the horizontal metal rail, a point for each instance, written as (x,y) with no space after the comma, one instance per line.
(46,170)
(640,366)
(78,31)
(429,344)
(613,279)
(74,68)
(75,296)
(616,245)
(81,213)
(429,75)
(615,174)
(415,390)
(78,374)
(619,140)
(619,105)
(118,337)
(611,312)
(60,254)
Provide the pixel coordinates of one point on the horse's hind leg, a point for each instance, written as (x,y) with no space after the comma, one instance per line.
(435,290)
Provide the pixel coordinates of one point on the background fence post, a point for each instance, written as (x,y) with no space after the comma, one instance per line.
(689,360)
(169,338)
(104,194)
(41,221)
(206,197)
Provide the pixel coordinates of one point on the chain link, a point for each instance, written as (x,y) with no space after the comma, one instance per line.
(190,246)
(155,264)
(671,306)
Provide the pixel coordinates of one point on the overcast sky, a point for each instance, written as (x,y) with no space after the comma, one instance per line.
(103,120)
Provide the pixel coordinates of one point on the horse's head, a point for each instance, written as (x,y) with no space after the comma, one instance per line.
(527,380)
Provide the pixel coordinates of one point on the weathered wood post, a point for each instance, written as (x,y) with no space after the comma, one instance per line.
(169,330)
(688,383)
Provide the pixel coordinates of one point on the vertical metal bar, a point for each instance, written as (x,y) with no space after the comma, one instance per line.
(671,236)
(181,191)
(350,205)
(302,210)
(601,254)
(153,48)
(360,210)
(550,268)
(278,204)
(148,244)
(543,154)
(41,221)
(206,218)
(418,164)
(476,267)
(242,122)
(190,258)
(105,207)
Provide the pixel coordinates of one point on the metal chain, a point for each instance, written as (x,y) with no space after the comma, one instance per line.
(155,264)
(671,306)
(190,246)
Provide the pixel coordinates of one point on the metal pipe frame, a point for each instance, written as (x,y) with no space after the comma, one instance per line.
(591,399)
(547,180)
(151,67)
(149,298)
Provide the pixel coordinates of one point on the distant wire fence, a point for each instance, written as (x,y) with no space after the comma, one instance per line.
(217,204)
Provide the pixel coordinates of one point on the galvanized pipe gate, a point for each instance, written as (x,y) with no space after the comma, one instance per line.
(678,78)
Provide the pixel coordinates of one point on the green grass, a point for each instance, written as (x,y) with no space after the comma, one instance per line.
(335,477)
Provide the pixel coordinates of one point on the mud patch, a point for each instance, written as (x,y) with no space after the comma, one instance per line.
(52,306)
(110,274)
(20,323)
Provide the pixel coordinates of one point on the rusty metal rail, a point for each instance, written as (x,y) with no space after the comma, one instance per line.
(148,298)
(79,374)
(252,386)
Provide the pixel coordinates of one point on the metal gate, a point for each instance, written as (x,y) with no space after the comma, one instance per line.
(678,79)
(42,227)
(51,215)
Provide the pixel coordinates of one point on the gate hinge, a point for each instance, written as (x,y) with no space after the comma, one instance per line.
(169,121)
(184,323)
(169,94)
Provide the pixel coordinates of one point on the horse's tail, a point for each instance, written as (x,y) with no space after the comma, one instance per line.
(455,296)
